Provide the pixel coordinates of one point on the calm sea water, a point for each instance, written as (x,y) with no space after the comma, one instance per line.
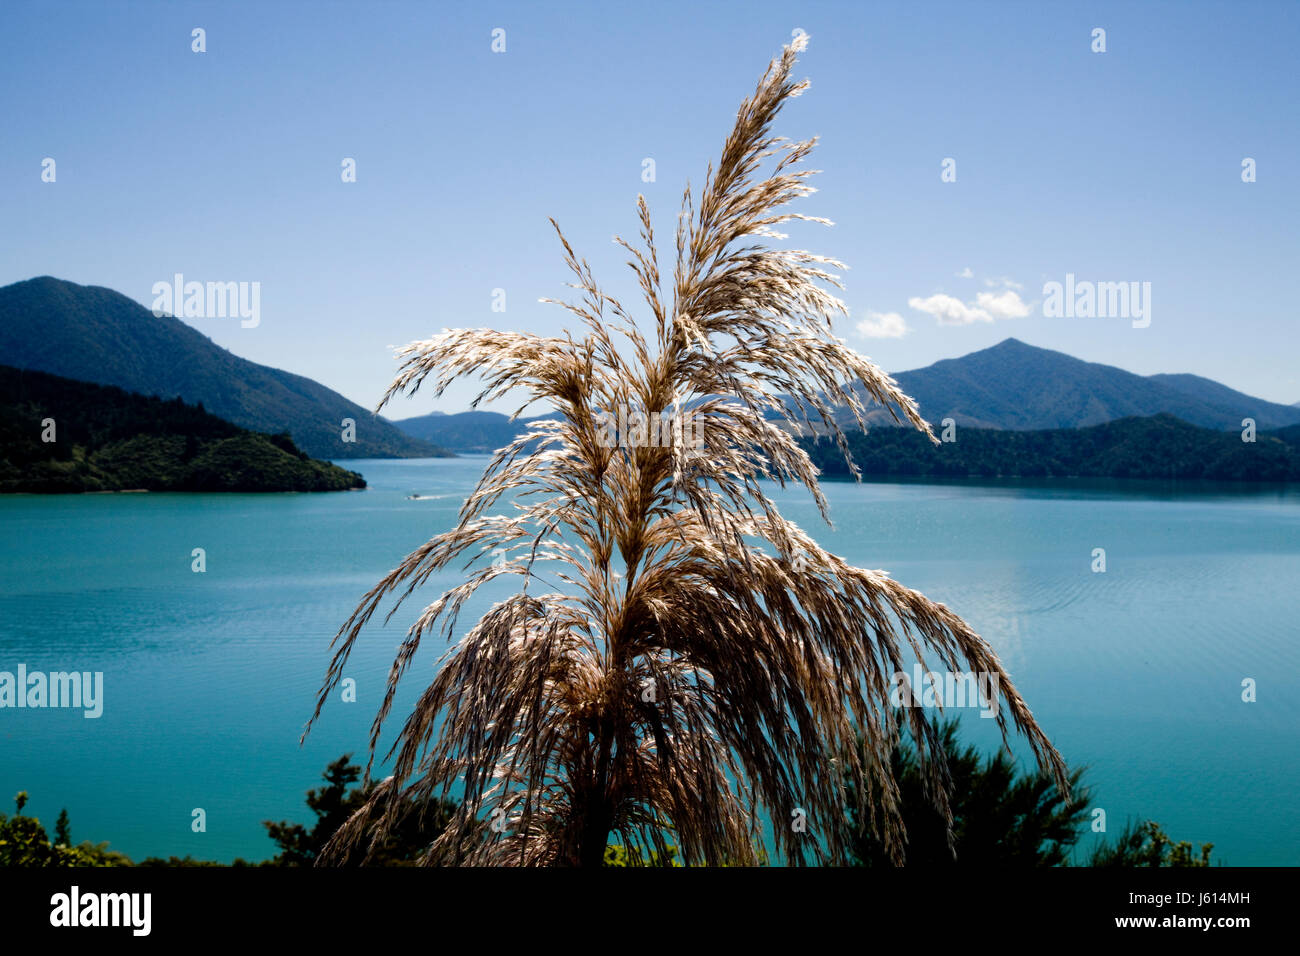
(209,678)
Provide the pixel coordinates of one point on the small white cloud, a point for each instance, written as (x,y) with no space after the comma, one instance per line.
(987,307)
(1004,305)
(882,325)
(966,274)
(949,310)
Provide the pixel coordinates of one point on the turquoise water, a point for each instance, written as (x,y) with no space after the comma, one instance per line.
(209,678)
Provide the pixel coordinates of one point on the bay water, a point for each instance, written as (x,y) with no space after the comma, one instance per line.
(1136,672)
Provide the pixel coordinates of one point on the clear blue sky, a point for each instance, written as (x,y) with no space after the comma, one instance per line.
(1123,165)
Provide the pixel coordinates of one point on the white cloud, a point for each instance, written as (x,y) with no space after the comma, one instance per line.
(949,310)
(882,325)
(987,307)
(966,274)
(1005,305)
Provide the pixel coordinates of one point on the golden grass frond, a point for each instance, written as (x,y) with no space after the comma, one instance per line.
(686,681)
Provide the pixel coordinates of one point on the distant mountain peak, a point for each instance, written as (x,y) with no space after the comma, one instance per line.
(1015,385)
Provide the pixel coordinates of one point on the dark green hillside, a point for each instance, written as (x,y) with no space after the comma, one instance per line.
(93,334)
(1158,447)
(108,439)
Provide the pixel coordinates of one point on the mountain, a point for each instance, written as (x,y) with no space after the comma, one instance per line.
(61,435)
(1009,386)
(97,335)
(1208,390)
(467,433)
(1158,447)
(1017,386)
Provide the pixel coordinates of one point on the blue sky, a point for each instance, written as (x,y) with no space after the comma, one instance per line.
(225,166)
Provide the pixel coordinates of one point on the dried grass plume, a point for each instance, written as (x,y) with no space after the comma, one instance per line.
(703,661)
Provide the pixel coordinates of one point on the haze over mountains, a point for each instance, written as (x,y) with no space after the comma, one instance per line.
(94,334)
(470,433)
(1010,386)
